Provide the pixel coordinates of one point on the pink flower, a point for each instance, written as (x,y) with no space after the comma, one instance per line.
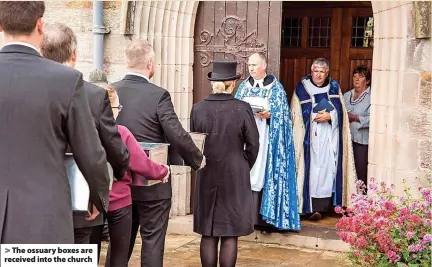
(413,206)
(380,222)
(415,219)
(389,206)
(376,221)
(404,212)
(427,238)
(393,256)
(356,253)
(339,210)
(410,235)
(361,242)
(347,237)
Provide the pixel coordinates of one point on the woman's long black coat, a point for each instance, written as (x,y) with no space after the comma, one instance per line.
(223,196)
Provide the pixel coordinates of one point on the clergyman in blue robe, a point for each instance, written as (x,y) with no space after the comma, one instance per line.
(324,157)
(274,171)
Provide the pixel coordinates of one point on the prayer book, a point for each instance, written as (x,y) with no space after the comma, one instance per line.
(257,109)
(324,104)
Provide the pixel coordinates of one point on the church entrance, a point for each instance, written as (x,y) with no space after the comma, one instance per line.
(233,30)
(291,34)
(342,32)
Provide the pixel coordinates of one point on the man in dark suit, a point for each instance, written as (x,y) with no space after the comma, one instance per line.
(59,44)
(43,108)
(149,114)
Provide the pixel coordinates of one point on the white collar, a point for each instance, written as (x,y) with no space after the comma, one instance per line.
(260,82)
(24,44)
(138,74)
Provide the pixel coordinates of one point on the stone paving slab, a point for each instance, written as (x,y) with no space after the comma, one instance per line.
(310,236)
(183,251)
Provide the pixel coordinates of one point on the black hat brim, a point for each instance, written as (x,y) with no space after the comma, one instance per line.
(212,77)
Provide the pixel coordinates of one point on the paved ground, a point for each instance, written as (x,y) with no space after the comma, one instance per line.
(183,251)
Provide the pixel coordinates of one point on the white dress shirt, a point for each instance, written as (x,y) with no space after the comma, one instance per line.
(139,74)
(24,44)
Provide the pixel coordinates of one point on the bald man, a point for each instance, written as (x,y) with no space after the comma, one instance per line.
(274,171)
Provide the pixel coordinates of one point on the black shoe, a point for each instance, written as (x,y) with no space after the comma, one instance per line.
(315,217)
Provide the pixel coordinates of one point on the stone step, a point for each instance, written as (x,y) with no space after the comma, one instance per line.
(313,237)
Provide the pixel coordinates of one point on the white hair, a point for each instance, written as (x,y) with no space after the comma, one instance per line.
(320,63)
(138,54)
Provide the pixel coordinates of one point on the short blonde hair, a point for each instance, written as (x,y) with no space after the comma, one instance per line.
(138,54)
(222,87)
(113,97)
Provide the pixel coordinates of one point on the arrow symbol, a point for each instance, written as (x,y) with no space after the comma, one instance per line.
(7,250)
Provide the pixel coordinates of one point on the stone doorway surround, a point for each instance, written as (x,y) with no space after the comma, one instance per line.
(400,127)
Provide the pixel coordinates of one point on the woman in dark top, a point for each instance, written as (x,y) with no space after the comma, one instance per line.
(223,205)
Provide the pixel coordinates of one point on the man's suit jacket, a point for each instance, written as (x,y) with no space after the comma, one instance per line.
(149,114)
(43,108)
(116,151)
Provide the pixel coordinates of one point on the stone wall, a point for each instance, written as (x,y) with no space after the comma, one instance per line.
(78,15)
(401,114)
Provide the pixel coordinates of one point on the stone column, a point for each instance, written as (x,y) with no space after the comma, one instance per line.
(401,112)
(169,27)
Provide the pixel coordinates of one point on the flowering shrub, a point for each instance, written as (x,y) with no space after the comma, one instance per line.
(384,230)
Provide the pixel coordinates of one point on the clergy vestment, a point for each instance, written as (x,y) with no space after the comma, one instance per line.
(324,156)
(274,171)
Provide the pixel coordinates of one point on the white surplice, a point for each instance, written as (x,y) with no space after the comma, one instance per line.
(324,150)
(257,174)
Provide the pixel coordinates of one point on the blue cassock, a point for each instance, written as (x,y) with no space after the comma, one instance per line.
(306,107)
(279,202)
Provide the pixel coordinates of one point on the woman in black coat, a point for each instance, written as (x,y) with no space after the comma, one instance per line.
(223,206)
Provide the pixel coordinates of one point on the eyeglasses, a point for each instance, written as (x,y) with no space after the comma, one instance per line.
(119,107)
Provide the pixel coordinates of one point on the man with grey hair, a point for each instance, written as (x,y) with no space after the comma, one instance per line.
(324,156)
(59,44)
(274,170)
(149,114)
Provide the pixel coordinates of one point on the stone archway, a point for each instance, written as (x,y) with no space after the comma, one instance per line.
(401,133)
(169,27)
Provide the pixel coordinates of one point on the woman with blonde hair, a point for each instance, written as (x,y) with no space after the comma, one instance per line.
(223,203)
(120,199)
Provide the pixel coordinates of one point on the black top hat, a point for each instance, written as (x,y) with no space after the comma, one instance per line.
(223,70)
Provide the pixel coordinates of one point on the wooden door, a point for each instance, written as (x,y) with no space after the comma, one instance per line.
(357,43)
(234,30)
(338,31)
